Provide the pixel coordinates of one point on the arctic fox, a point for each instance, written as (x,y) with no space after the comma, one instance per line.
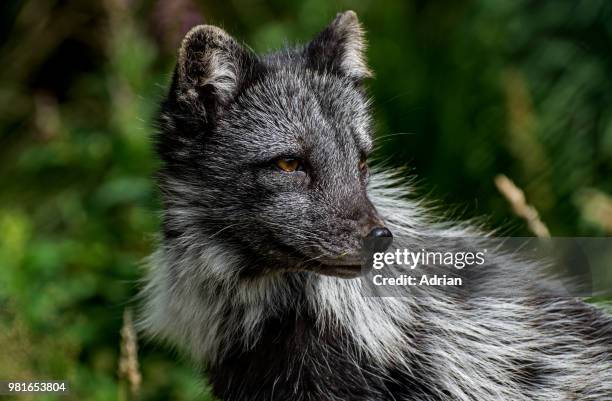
(267,201)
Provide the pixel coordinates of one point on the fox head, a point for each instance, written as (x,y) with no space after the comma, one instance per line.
(267,155)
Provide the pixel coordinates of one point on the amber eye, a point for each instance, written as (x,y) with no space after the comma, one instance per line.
(289,164)
(363,165)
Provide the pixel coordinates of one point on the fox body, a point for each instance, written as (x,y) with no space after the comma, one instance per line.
(267,200)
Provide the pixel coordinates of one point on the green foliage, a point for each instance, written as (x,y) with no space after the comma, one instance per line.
(464,90)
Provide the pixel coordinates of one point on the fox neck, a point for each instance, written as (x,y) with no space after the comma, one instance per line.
(199,290)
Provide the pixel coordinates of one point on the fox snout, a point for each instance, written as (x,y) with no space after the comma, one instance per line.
(380,233)
(376,236)
(379,239)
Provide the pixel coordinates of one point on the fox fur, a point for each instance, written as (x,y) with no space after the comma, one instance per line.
(245,277)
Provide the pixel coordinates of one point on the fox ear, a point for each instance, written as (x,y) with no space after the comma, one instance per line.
(340,47)
(211,66)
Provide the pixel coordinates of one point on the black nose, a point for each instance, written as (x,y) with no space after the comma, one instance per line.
(379,232)
(378,240)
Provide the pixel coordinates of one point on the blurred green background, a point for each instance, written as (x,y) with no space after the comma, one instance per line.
(464,90)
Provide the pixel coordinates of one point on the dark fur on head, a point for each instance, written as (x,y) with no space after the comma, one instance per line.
(236,280)
(231,114)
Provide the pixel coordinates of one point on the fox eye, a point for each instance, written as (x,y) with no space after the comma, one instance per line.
(289,164)
(363,165)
